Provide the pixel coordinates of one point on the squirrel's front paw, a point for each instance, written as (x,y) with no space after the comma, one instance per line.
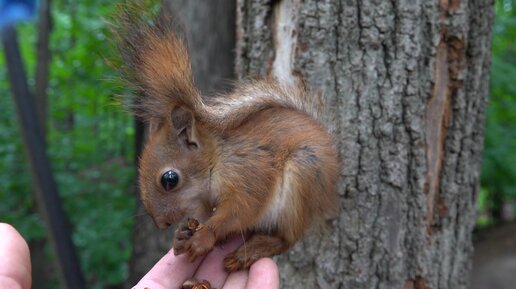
(200,244)
(183,233)
(193,238)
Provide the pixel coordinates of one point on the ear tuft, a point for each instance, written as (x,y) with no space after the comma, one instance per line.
(155,61)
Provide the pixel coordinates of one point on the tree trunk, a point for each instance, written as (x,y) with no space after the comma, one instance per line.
(209,29)
(406,85)
(44,27)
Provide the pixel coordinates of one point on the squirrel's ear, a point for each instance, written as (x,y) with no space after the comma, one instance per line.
(183,127)
(154,125)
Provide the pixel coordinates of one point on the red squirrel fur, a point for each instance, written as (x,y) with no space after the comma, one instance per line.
(254,161)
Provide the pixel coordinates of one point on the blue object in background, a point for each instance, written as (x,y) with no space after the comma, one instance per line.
(12,11)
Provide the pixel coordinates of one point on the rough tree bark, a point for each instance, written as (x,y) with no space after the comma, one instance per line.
(406,85)
(210,31)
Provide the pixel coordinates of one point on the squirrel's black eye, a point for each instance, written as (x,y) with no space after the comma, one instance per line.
(169,180)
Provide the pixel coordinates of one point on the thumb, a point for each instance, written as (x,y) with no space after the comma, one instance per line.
(15,268)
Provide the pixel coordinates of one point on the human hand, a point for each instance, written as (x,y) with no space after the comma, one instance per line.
(171,271)
(15,268)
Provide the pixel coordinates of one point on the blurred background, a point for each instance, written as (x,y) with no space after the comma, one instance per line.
(75,91)
(94,173)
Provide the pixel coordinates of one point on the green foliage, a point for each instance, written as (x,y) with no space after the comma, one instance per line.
(499,169)
(89,139)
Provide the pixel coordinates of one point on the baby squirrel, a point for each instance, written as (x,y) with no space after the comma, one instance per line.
(254,161)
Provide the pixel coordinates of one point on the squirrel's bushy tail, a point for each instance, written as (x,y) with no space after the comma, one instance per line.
(156,63)
(231,110)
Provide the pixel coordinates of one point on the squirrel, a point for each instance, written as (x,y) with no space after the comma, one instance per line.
(255,161)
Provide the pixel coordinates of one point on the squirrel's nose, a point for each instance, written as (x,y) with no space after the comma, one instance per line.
(161,223)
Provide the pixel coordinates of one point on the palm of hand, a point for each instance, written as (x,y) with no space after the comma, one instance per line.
(171,271)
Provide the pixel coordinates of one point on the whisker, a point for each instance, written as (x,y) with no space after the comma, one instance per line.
(140,215)
(243,238)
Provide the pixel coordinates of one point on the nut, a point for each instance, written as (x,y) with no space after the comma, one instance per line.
(194,284)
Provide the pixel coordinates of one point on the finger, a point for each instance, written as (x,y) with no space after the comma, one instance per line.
(263,274)
(236,280)
(170,272)
(15,269)
(212,268)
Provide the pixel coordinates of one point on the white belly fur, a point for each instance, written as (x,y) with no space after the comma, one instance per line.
(281,203)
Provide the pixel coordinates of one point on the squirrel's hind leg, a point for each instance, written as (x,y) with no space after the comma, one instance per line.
(256,247)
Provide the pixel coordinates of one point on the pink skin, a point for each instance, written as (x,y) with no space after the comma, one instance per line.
(168,273)
(15,268)
(171,271)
